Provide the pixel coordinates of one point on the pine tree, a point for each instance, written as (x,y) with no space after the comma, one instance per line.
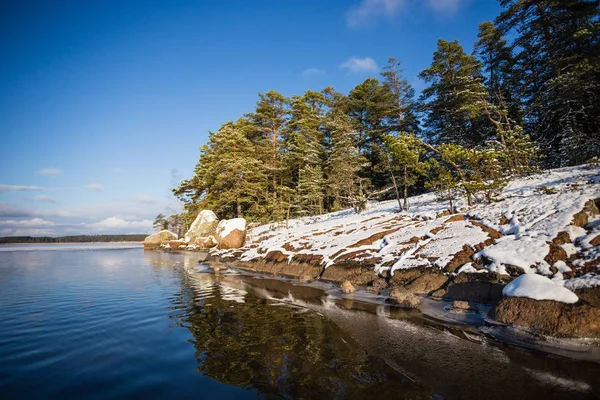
(229,178)
(371,105)
(160,223)
(270,119)
(344,162)
(558,63)
(455,82)
(405,154)
(401,154)
(403,111)
(304,138)
(443,182)
(498,63)
(311,186)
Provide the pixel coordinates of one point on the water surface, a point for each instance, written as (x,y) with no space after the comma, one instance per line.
(113,321)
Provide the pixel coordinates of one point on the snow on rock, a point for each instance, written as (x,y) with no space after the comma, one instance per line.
(583,282)
(227,226)
(231,233)
(522,252)
(538,287)
(468,268)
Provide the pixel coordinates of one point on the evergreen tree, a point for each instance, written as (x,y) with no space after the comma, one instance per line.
(270,119)
(304,138)
(404,154)
(558,63)
(455,81)
(403,110)
(311,184)
(498,63)
(345,161)
(229,178)
(160,223)
(371,105)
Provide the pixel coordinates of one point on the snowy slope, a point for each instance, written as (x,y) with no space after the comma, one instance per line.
(514,232)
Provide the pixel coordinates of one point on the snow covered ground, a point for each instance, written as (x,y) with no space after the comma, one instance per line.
(519,232)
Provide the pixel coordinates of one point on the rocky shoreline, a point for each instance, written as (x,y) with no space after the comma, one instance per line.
(476,257)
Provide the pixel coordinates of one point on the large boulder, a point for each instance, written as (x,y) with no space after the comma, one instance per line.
(549,317)
(231,233)
(153,241)
(204,225)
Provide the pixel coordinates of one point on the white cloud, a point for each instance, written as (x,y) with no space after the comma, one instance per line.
(44,199)
(142,198)
(445,6)
(360,65)
(27,223)
(96,187)
(369,10)
(49,171)
(114,223)
(17,188)
(310,72)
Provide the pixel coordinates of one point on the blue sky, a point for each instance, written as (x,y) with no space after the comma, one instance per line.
(104,104)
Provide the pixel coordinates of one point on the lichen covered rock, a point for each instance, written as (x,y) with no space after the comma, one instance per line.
(204,226)
(153,241)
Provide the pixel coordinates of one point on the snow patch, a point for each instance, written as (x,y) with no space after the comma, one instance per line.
(583,282)
(538,287)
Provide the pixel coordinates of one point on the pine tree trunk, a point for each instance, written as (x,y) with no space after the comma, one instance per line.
(238,207)
(405,188)
(396,189)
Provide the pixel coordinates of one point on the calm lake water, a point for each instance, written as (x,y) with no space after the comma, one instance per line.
(114,321)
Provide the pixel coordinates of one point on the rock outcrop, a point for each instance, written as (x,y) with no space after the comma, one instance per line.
(204,226)
(549,317)
(154,241)
(231,233)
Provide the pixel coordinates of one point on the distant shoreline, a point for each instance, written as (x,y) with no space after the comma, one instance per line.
(108,238)
(116,242)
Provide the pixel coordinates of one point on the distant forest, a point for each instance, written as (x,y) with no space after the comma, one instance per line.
(74,239)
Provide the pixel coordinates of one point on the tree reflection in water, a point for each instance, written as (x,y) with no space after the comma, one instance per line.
(279,350)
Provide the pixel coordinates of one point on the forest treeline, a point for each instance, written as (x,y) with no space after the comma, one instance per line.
(74,239)
(504,110)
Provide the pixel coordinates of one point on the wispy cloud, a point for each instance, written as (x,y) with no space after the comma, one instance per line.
(142,198)
(26,223)
(360,65)
(44,199)
(116,223)
(12,211)
(445,6)
(369,10)
(310,72)
(17,188)
(49,172)
(96,187)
